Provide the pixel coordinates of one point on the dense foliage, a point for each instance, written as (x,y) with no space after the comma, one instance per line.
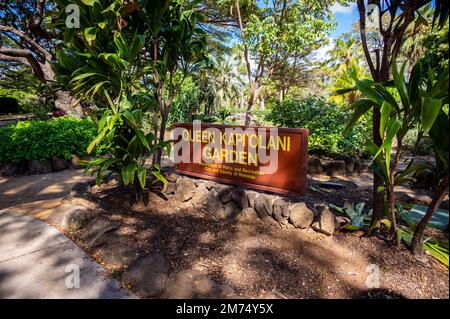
(325,122)
(40,140)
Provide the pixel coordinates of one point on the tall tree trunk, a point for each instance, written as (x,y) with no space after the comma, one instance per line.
(416,242)
(162,131)
(63,100)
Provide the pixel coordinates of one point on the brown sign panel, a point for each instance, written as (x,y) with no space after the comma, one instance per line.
(243,157)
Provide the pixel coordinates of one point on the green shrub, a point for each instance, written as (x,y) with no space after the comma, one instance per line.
(40,140)
(325,122)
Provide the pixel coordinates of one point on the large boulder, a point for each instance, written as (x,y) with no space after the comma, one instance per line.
(58,164)
(334,168)
(98,227)
(281,211)
(147,275)
(76,219)
(185,189)
(263,205)
(39,167)
(314,166)
(325,223)
(301,216)
(57,214)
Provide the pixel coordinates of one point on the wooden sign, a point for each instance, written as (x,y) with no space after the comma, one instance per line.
(265,158)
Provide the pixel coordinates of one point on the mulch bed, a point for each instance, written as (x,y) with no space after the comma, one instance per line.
(263,261)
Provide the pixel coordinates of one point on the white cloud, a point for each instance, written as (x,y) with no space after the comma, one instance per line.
(338,8)
(321,54)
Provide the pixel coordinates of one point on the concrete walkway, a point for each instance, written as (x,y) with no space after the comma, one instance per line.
(37,261)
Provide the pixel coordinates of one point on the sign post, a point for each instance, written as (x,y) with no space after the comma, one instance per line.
(265,158)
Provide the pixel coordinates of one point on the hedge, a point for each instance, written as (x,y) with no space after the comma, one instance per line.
(40,140)
(325,122)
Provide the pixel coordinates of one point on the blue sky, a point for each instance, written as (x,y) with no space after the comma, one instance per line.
(345,17)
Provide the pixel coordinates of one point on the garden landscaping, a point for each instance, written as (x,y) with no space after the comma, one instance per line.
(201,239)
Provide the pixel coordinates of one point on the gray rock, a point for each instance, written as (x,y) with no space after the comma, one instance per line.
(251,195)
(9,170)
(238,195)
(40,167)
(185,189)
(118,256)
(326,221)
(57,214)
(81,189)
(76,219)
(301,216)
(281,211)
(147,275)
(334,168)
(248,214)
(73,200)
(97,227)
(58,164)
(171,188)
(215,206)
(314,166)
(263,205)
(232,210)
(224,193)
(351,164)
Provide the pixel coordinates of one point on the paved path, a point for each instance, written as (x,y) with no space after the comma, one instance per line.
(34,260)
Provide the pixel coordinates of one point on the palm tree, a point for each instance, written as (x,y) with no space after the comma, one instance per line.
(221,84)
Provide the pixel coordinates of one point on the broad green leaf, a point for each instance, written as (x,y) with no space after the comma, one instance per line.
(144,142)
(142,175)
(430,111)
(385,113)
(414,83)
(90,34)
(365,87)
(360,108)
(89,2)
(399,79)
(160,177)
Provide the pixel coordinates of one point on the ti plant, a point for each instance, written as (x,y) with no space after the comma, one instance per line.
(403,105)
(127,148)
(103,65)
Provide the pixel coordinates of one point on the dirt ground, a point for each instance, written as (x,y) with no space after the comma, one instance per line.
(255,259)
